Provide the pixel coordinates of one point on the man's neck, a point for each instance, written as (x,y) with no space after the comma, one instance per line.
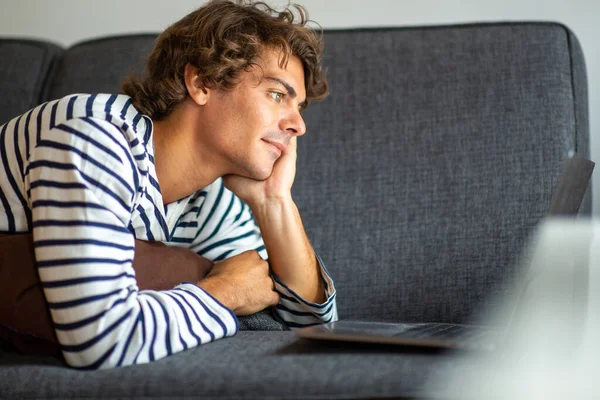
(183,165)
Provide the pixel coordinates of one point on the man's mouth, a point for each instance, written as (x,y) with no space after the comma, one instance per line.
(280,147)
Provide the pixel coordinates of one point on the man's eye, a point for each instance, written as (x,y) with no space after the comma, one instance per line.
(277,96)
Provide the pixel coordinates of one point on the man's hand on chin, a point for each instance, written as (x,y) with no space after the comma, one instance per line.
(291,255)
(276,187)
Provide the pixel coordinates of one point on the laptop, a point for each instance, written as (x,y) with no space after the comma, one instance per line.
(557,242)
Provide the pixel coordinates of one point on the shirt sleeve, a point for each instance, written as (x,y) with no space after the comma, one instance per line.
(81,183)
(227,228)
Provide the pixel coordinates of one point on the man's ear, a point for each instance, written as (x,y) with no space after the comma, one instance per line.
(194,85)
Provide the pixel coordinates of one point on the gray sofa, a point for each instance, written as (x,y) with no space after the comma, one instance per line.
(419,181)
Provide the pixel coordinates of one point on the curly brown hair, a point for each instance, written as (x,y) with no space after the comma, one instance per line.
(222,39)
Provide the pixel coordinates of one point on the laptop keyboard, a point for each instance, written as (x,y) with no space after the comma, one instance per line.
(469,335)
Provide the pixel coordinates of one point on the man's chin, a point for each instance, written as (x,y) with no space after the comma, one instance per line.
(263,176)
(259,174)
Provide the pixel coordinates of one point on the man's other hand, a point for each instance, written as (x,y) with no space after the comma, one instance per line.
(242,283)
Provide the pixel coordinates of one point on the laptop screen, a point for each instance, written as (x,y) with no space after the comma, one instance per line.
(572,185)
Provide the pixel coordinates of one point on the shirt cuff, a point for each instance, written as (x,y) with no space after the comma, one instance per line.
(297,311)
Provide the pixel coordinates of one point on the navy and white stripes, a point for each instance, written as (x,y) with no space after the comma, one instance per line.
(79,173)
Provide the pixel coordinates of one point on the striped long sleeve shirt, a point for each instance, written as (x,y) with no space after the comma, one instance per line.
(79,173)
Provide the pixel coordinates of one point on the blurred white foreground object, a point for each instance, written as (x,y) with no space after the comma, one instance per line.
(551,348)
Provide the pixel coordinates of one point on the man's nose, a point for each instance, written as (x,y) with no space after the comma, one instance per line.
(294,124)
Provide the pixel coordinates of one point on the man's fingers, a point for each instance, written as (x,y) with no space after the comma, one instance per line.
(249,275)
(293,143)
(274,299)
(293,146)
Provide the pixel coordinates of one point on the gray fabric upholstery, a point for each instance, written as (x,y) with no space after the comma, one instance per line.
(99,66)
(25,66)
(250,365)
(423,174)
(265,320)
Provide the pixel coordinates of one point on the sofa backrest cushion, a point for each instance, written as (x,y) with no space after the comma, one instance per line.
(100,65)
(25,67)
(422,176)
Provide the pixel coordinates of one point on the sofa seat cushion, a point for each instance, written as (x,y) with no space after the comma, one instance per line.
(249,365)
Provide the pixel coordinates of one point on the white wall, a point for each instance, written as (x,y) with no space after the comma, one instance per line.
(69,21)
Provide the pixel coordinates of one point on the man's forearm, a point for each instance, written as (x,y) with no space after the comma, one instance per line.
(290,254)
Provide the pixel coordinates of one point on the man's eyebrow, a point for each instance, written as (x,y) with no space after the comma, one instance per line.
(283,83)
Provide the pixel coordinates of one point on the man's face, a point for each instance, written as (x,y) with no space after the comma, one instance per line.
(249,127)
